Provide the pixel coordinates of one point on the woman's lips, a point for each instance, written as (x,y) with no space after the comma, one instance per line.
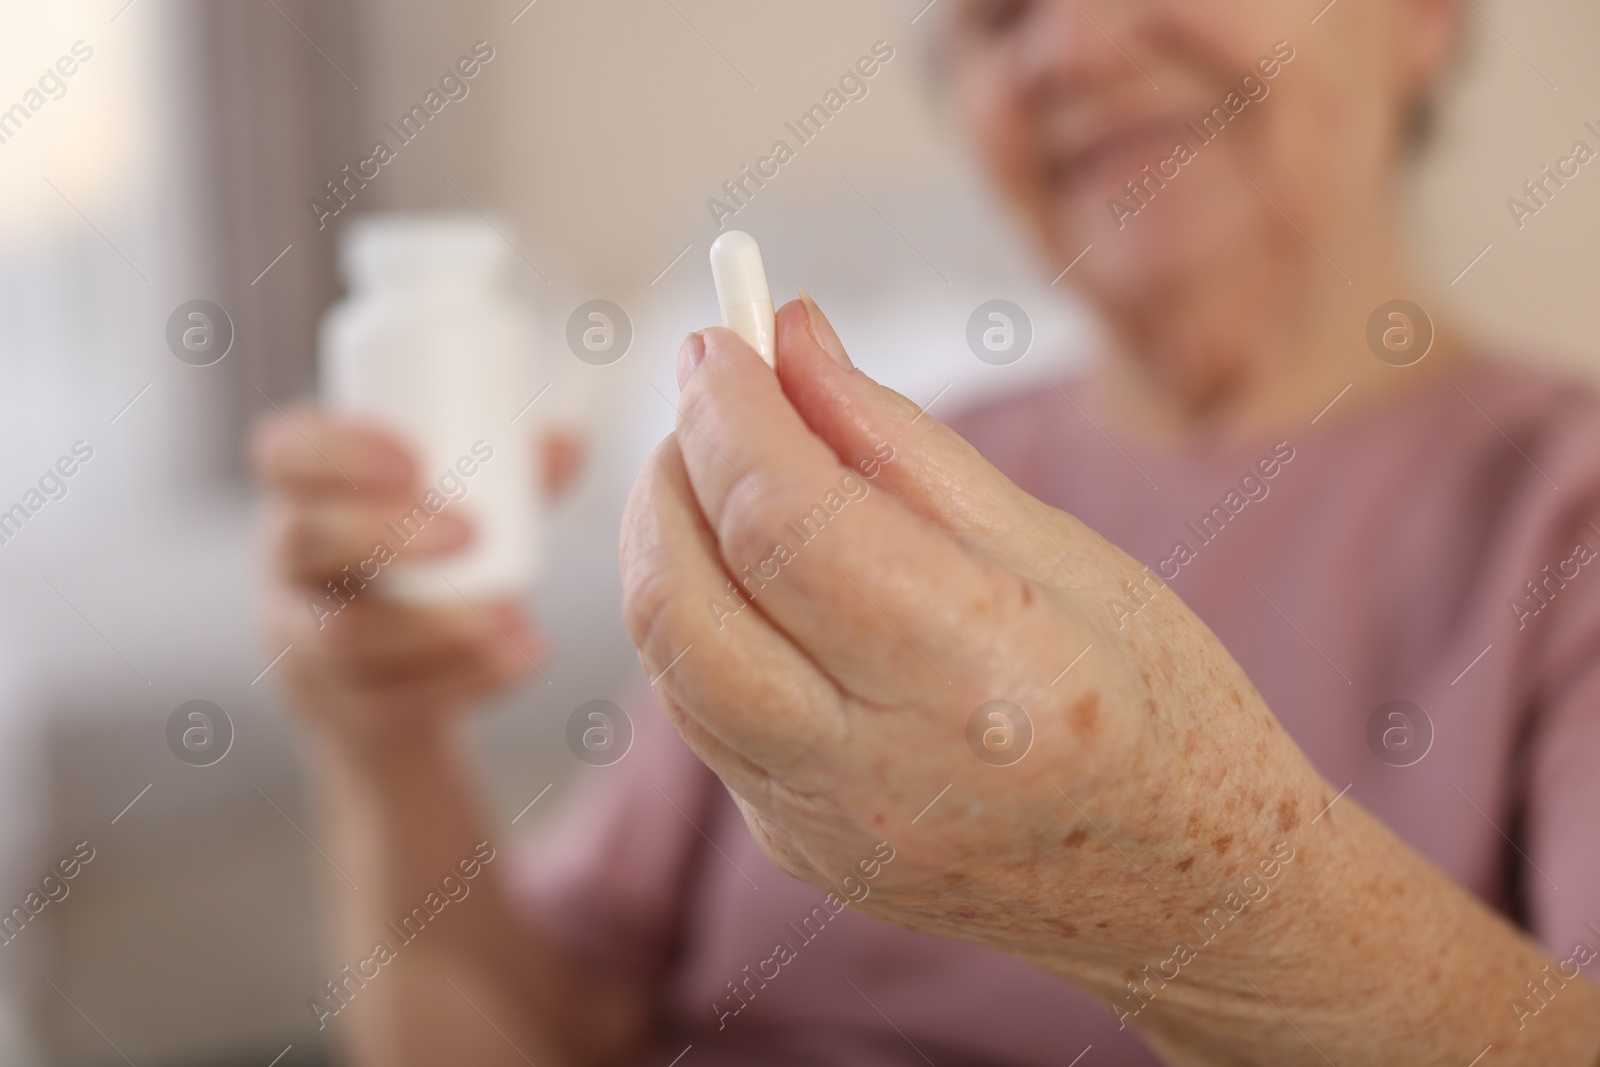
(1105,163)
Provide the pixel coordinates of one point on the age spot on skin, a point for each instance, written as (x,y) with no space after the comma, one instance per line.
(1222,844)
(1185,864)
(1075,839)
(1288,817)
(1085,716)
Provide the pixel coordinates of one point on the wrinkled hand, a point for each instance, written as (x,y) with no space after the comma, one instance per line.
(894,583)
(376,672)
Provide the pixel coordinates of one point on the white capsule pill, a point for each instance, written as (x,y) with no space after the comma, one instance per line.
(742,291)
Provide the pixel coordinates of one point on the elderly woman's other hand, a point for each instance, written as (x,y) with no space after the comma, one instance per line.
(369,671)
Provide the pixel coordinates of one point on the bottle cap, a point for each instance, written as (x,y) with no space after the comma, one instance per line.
(381,248)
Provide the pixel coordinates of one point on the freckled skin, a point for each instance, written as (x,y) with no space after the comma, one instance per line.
(832,701)
(1076,839)
(1185,863)
(1085,714)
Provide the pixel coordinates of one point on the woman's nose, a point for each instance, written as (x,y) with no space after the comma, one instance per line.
(1077,44)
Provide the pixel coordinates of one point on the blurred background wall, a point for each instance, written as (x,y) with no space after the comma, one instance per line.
(177,164)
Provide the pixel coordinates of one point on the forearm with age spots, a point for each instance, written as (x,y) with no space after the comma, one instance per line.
(1354,950)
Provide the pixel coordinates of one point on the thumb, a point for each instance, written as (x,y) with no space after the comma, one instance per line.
(924,463)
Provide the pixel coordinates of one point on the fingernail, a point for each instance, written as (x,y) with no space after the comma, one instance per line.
(690,355)
(822,332)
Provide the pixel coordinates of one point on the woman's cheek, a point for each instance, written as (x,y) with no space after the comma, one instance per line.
(991,117)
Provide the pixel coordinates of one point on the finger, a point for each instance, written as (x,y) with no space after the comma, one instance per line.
(743,776)
(710,656)
(924,463)
(319,538)
(378,644)
(306,450)
(377,635)
(882,599)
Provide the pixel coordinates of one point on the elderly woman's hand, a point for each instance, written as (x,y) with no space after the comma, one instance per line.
(924,654)
(873,637)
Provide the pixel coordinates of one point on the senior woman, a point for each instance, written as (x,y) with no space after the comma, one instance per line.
(1076,727)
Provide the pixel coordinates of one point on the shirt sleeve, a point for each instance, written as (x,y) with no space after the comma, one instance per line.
(1563,891)
(1560,877)
(605,878)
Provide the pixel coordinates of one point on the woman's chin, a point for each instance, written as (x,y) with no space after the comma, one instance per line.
(1173,243)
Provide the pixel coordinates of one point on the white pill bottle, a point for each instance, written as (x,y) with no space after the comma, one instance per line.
(434,345)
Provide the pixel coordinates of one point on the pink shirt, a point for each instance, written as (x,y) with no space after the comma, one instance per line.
(1386,558)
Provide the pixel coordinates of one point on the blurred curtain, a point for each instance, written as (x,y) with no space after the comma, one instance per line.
(267,111)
